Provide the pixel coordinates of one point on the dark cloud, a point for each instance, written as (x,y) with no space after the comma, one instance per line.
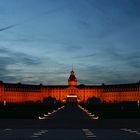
(23,39)
(84,24)
(84,81)
(8,27)
(40,15)
(70,47)
(109,74)
(127,57)
(101,39)
(25,59)
(13,59)
(20,67)
(17,57)
(4,50)
(85,56)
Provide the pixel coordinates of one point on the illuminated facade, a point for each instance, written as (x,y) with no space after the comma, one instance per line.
(36,93)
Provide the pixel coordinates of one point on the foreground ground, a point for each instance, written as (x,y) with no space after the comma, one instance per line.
(70,123)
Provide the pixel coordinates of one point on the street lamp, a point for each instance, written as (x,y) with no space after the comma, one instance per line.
(138,103)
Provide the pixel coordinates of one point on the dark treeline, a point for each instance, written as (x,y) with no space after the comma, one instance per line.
(27,110)
(113,110)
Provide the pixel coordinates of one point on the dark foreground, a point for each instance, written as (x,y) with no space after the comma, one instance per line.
(70,123)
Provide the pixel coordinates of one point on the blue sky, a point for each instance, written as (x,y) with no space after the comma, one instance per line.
(41,39)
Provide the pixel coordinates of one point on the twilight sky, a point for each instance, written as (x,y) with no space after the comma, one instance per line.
(41,39)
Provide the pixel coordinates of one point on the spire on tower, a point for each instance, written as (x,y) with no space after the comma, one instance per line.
(72,67)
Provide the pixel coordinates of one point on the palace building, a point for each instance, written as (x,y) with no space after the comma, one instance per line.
(19,93)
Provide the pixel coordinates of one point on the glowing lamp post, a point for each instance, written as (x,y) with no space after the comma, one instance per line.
(138,103)
(4,103)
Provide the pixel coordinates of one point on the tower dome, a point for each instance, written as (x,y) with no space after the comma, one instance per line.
(72,81)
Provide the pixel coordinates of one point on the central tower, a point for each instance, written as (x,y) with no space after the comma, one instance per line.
(72,81)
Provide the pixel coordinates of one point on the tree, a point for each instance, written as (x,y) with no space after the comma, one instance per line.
(49,100)
(94,100)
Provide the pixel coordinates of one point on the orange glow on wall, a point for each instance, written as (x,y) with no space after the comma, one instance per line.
(36,93)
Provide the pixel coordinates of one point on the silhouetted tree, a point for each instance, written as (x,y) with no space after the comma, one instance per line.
(49,100)
(94,100)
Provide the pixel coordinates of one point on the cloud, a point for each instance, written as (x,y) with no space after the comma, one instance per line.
(10,62)
(98,37)
(85,56)
(129,57)
(116,68)
(72,48)
(4,51)
(17,57)
(25,59)
(37,16)
(8,27)
(84,24)
(21,67)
